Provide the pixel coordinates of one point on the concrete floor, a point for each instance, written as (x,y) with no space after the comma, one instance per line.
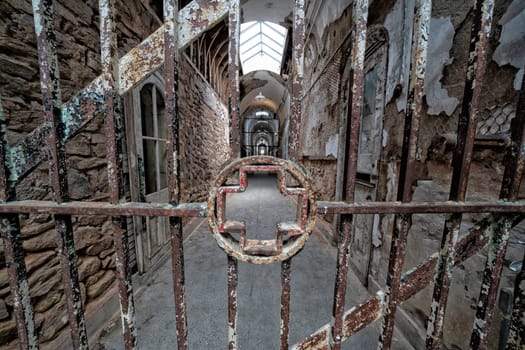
(313,275)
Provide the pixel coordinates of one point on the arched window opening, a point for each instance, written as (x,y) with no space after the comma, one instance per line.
(153,138)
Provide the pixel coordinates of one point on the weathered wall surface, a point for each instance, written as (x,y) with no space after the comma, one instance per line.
(204,134)
(76,23)
(325,105)
(203,146)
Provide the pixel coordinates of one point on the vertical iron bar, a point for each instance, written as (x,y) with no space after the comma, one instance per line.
(480,32)
(52,103)
(497,245)
(360,19)
(233,276)
(516,337)
(171,78)
(113,126)
(286,272)
(233,77)
(297,79)
(360,15)
(414,112)
(14,253)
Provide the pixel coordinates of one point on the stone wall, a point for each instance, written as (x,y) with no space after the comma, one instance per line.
(204,147)
(204,135)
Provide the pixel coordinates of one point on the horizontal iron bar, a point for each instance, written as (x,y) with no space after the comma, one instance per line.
(199,209)
(324,208)
(103,208)
(412,282)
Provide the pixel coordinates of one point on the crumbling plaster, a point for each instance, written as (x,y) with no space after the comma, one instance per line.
(440,43)
(511,48)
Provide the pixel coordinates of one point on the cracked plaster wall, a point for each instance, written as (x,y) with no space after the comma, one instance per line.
(439,45)
(511,48)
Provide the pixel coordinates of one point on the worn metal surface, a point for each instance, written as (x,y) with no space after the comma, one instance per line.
(516,338)
(147,57)
(360,20)
(413,115)
(100,98)
(171,79)
(412,282)
(52,102)
(14,253)
(261,251)
(234,26)
(480,32)
(233,276)
(498,239)
(286,275)
(397,207)
(298,41)
(194,19)
(113,130)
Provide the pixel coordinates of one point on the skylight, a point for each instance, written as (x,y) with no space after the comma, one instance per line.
(262,46)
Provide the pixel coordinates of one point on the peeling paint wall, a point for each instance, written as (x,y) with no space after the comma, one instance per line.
(439,44)
(399,26)
(511,48)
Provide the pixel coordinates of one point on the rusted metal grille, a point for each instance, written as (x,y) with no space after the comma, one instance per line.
(102,98)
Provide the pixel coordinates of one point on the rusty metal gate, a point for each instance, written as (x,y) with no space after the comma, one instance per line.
(101,98)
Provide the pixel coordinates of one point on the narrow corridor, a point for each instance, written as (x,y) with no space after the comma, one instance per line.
(313,273)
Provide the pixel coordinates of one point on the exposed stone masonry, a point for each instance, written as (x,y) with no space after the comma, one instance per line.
(78,49)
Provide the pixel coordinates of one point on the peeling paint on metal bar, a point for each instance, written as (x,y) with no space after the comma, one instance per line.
(52,101)
(234,32)
(171,57)
(412,282)
(360,20)
(14,253)
(113,132)
(233,276)
(133,68)
(480,32)
(148,56)
(298,41)
(76,114)
(500,206)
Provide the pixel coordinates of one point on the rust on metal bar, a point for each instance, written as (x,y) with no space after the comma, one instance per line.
(360,20)
(497,247)
(233,276)
(113,130)
(52,103)
(471,243)
(298,41)
(198,209)
(193,20)
(354,320)
(262,251)
(412,282)
(286,274)
(414,113)
(140,62)
(171,78)
(516,337)
(481,27)
(14,253)
(102,208)
(234,27)
(324,208)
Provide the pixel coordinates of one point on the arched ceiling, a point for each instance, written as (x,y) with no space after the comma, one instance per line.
(269,84)
(276,11)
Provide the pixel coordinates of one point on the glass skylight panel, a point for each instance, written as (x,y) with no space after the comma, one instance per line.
(262,46)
